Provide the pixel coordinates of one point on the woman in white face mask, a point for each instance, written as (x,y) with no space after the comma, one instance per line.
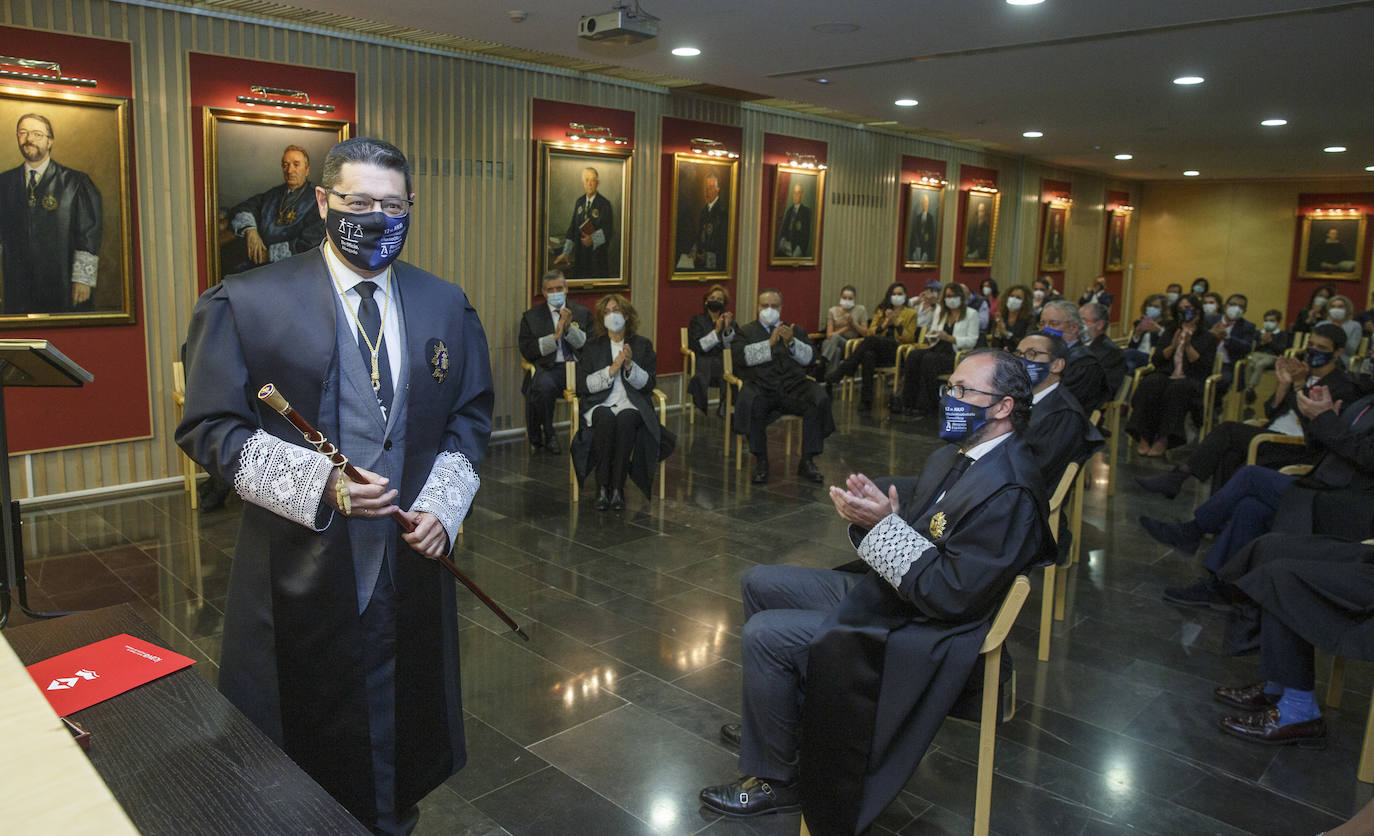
(1013,320)
(1341,311)
(1315,311)
(954,329)
(618,435)
(893,324)
(846,321)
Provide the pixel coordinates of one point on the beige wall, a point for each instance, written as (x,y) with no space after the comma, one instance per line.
(1238,234)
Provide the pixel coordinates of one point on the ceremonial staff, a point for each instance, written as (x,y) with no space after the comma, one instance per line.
(270,396)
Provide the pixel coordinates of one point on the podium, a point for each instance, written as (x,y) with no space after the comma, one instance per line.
(24,363)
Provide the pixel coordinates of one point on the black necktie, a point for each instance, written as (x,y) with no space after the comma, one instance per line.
(371,321)
(33,187)
(955,471)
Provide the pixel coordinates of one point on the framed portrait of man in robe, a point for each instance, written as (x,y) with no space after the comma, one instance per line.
(1332,245)
(582,215)
(1053,234)
(703,221)
(261,170)
(798,201)
(1117,223)
(921,239)
(66,230)
(980,228)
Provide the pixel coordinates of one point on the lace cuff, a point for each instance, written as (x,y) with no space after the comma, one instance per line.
(599,380)
(756,354)
(575,336)
(84,267)
(710,341)
(548,344)
(598,239)
(448,492)
(283,478)
(801,351)
(636,376)
(279,251)
(243,221)
(892,547)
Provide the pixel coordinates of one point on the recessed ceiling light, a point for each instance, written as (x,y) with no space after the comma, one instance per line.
(1191,173)
(1024,2)
(686,52)
(1334,149)
(1274,123)
(1032,134)
(1369,168)
(1125,156)
(906,103)
(1186,80)
(835,28)
(821,80)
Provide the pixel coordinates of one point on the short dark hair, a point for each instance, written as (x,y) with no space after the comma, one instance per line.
(1206,285)
(1333,332)
(1275,313)
(1009,377)
(1059,350)
(850,288)
(363,149)
(1241,296)
(712,289)
(51,134)
(551,276)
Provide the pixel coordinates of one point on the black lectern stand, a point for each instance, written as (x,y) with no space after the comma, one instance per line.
(24,363)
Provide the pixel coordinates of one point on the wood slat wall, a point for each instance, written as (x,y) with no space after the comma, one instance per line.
(465,122)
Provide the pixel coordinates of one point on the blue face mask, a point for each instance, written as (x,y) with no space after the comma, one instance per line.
(1054,331)
(1037,371)
(1316,359)
(369,241)
(1152,312)
(1187,314)
(961,419)
(557,299)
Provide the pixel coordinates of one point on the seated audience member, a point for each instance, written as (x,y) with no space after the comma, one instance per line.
(1097,293)
(1059,431)
(771,356)
(1235,336)
(1042,292)
(1295,594)
(1270,343)
(893,324)
(938,553)
(1108,353)
(1225,448)
(1147,330)
(709,335)
(1315,311)
(1336,499)
(1166,396)
(1211,308)
(1014,319)
(993,294)
(954,329)
(1172,294)
(551,334)
(1083,375)
(981,309)
(844,322)
(620,434)
(1200,287)
(926,303)
(1340,311)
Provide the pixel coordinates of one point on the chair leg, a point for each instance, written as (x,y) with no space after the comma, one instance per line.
(729,416)
(662,480)
(1046,613)
(1365,772)
(787,449)
(1076,517)
(1335,686)
(1115,442)
(188,468)
(739,452)
(572,475)
(804,830)
(987,742)
(1061,583)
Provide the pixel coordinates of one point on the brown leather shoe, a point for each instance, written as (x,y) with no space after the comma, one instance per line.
(1245,697)
(1263,727)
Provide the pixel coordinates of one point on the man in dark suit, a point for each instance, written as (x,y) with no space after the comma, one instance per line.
(1236,338)
(1335,499)
(771,356)
(586,244)
(1097,292)
(340,631)
(1083,374)
(713,228)
(1226,448)
(551,334)
(978,236)
(938,553)
(794,235)
(1059,431)
(1107,352)
(923,238)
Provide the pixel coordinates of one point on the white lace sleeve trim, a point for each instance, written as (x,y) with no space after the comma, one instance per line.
(636,376)
(756,354)
(279,251)
(801,352)
(548,344)
(599,380)
(448,491)
(85,267)
(891,548)
(284,478)
(710,341)
(575,336)
(243,221)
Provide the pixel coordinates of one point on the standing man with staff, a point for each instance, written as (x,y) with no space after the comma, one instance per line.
(340,639)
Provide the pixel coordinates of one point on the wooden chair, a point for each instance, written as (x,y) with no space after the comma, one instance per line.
(991,651)
(1252,455)
(1209,397)
(732,386)
(1335,687)
(689,371)
(570,395)
(188,467)
(530,369)
(1112,428)
(1051,591)
(879,372)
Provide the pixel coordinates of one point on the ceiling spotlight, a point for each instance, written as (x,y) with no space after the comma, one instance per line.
(1032,134)
(686,52)
(1186,80)
(906,103)
(819,80)
(1192,172)
(1024,2)
(1334,149)
(1274,123)
(1369,168)
(1125,156)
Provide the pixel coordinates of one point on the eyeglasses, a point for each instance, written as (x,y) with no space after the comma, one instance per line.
(958,391)
(1034,355)
(23,134)
(392,207)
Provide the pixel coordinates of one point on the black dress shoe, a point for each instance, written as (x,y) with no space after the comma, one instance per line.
(552,445)
(617,499)
(603,499)
(732,733)
(760,470)
(807,470)
(1246,697)
(1167,484)
(1264,727)
(751,796)
(1182,536)
(1204,592)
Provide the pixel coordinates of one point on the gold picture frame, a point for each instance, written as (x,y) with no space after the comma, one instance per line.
(243,152)
(699,253)
(796,230)
(84,195)
(561,207)
(1325,261)
(1054,234)
(1118,224)
(921,240)
(979,241)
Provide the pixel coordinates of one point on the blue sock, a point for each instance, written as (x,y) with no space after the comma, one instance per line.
(1272,688)
(1297,706)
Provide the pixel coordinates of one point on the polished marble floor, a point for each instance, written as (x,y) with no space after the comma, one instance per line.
(606,722)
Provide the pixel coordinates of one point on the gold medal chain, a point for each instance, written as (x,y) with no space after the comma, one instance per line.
(373,347)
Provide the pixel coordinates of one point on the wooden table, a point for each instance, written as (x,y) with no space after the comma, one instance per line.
(176,754)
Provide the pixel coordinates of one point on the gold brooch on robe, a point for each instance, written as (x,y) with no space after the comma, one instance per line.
(937,525)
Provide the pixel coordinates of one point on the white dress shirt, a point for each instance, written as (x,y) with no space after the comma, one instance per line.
(345,280)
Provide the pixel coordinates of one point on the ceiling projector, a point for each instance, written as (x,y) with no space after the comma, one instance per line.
(620,25)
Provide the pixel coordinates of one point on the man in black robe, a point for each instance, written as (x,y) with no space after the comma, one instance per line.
(340,637)
(978,236)
(50,228)
(1083,374)
(551,335)
(1059,432)
(1094,337)
(794,235)
(282,221)
(586,244)
(923,232)
(1330,255)
(938,555)
(713,228)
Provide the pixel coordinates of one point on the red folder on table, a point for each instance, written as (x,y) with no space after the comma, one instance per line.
(88,675)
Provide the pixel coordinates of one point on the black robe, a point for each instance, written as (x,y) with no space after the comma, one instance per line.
(864,732)
(287,221)
(655,443)
(1059,433)
(698,327)
(538,322)
(1337,498)
(795,231)
(1113,360)
(1086,379)
(780,376)
(592,262)
(40,242)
